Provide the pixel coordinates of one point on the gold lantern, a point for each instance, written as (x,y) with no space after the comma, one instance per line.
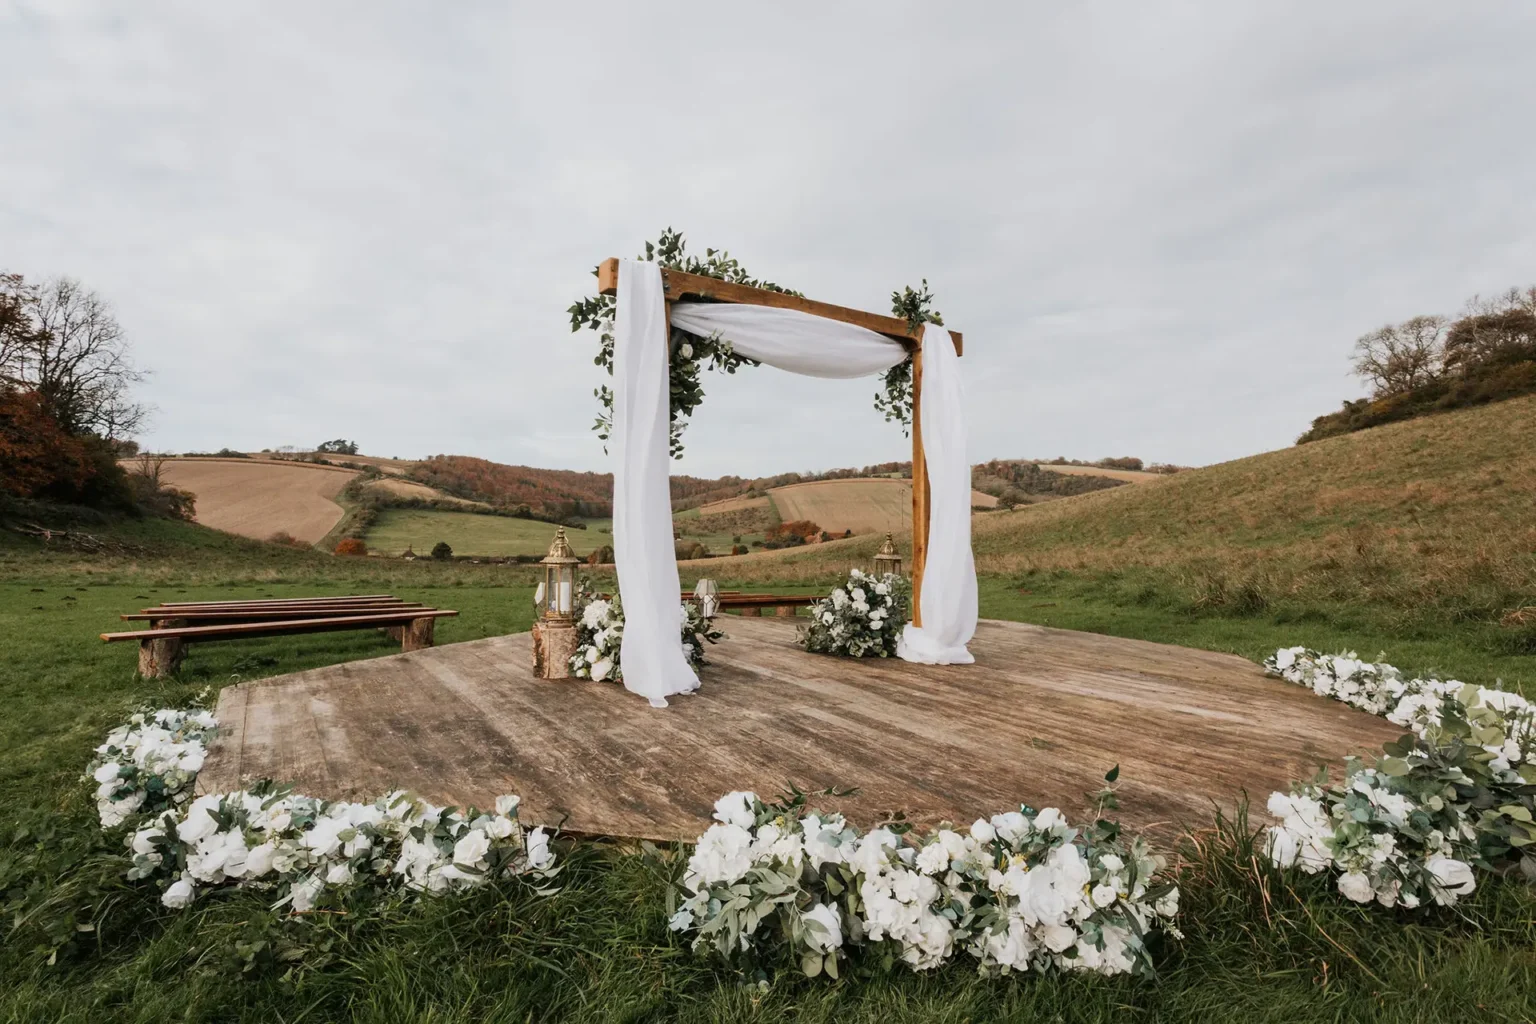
(888,559)
(559,585)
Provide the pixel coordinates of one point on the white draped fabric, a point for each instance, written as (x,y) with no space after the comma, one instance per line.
(651,651)
(949,575)
(652,656)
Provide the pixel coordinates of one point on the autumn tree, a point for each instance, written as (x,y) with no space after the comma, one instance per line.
(62,342)
(1400,357)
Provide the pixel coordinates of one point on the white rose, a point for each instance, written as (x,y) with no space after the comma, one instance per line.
(600,669)
(1049,818)
(826,931)
(686,351)
(471,848)
(507,804)
(340,874)
(1282,846)
(178,895)
(932,859)
(199,823)
(540,856)
(107,772)
(982,831)
(1453,878)
(1104,895)
(1356,885)
(736,809)
(259,861)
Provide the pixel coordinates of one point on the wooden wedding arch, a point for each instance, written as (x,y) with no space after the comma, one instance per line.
(678,286)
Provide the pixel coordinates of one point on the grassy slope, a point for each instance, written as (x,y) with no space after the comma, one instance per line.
(1413,539)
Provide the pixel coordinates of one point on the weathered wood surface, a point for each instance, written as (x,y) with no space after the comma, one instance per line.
(1039,718)
(920,500)
(678,286)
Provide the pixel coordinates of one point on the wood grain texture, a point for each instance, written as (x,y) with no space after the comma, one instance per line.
(679,286)
(920,502)
(1039,719)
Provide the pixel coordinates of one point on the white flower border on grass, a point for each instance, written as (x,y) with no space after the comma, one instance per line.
(1459,794)
(1019,892)
(296,846)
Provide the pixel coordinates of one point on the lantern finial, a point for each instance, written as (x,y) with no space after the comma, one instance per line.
(887,559)
(560,552)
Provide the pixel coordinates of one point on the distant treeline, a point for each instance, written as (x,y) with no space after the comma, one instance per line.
(1429,364)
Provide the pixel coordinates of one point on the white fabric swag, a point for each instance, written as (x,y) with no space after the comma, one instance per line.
(651,651)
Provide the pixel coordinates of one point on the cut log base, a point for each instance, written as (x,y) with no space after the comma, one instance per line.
(554,644)
(418,635)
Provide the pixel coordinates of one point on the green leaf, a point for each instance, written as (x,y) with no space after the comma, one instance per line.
(810,964)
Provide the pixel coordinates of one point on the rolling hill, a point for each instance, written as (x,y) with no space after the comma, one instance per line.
(1437,513)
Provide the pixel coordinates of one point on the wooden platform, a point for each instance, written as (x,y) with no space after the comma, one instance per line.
(1039,718)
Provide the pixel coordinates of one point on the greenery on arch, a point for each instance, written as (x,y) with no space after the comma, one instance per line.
(691,354)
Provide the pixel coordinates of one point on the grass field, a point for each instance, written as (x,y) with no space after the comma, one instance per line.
(874,505)
(1407,540)
(476,535)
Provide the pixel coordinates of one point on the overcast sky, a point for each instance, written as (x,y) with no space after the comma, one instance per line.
(1160,226)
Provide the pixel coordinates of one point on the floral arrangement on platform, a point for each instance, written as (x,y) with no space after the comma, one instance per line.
(1019,892)
(600,635)
(294,846)
(861,618)
(1458,793)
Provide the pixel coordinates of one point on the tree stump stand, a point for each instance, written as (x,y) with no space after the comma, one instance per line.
(554,644)
(418,635)
(159,659)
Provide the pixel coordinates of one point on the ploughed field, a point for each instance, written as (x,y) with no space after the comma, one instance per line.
(259,497)
(875,505)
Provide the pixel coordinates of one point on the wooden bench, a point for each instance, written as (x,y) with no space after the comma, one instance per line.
(172,626)
(784,605)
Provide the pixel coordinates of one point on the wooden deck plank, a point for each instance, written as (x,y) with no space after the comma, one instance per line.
(1039,719)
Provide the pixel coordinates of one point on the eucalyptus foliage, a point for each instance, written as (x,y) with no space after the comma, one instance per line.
(1454,794)
(690,354)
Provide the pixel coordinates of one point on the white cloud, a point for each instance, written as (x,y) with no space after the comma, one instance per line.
(1160,228)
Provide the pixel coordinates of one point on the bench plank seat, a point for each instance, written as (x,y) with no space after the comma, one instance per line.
(284,600)
(205,615)
(161,650)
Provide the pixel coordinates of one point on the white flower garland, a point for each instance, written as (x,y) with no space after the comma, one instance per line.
(1409,831)
(860,618)
(1022,891)
(150,763)
(295,846)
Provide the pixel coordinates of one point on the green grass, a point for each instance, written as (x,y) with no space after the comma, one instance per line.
(1260,946)
(476,535)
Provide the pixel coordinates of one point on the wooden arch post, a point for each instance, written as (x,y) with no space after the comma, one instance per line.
(678,286)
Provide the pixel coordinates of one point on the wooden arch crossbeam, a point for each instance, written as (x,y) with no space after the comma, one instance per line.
(679,287)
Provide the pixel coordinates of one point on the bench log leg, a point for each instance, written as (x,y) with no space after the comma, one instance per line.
(785,611)
(160,658)
(752,612)
(417,635)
